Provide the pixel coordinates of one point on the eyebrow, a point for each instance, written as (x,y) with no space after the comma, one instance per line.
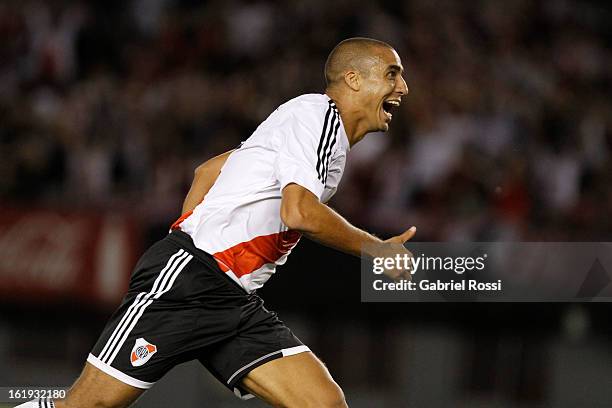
(395,67)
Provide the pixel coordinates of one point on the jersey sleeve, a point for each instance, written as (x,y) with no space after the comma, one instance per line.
(302,155)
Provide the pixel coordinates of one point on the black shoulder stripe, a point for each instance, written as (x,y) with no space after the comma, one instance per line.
(321,142)
(328,138)
(329,151)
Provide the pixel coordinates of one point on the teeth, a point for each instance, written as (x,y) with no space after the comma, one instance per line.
(394,103)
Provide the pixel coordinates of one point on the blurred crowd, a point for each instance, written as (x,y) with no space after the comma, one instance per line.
(506,133)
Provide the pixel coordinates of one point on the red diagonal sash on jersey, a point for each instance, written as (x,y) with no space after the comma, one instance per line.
(249,256)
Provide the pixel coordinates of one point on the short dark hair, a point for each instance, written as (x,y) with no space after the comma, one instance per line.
(348,54)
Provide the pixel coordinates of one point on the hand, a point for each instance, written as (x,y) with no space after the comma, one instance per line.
(402,238)
(395,248)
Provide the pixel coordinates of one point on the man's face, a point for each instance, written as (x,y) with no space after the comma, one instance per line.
(383,89)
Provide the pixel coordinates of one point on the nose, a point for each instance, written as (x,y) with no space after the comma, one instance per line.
(401,87)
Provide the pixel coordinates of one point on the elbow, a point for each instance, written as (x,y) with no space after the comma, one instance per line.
(295,218)
(299,209)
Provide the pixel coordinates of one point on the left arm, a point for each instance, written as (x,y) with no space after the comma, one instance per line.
(204,177)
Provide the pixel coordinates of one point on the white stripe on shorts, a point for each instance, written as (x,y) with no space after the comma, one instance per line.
(285,352)
(162,290)
(113,372)
(110,344)
(113,344)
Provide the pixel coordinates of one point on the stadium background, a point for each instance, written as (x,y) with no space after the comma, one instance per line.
(107,107)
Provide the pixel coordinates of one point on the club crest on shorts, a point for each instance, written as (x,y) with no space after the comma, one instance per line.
(142,352)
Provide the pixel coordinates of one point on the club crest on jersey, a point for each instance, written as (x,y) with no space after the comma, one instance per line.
(142,352)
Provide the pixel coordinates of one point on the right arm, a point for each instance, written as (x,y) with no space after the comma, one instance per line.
(302,211)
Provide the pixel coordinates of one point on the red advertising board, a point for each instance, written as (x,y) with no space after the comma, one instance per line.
(50,255)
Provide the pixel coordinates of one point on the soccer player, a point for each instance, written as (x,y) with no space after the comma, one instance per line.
(192,294)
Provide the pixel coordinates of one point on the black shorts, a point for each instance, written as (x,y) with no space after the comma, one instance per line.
(180,306)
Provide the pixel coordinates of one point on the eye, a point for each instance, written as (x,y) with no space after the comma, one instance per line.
(391,75)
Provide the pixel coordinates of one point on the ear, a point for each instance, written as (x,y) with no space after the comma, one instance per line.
(353,80)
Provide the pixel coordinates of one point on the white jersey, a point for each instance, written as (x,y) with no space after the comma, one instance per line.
(238,222)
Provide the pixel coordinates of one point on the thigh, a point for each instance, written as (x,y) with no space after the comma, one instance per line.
(94,388)
(300,380)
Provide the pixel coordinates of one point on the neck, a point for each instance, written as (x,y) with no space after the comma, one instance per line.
(351,114)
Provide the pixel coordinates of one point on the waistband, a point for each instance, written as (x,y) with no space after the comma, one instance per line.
(184,240)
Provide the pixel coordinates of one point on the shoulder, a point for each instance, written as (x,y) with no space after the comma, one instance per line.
(314,109)
(308,102)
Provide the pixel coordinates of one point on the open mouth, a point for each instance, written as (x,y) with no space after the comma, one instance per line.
(388,106)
